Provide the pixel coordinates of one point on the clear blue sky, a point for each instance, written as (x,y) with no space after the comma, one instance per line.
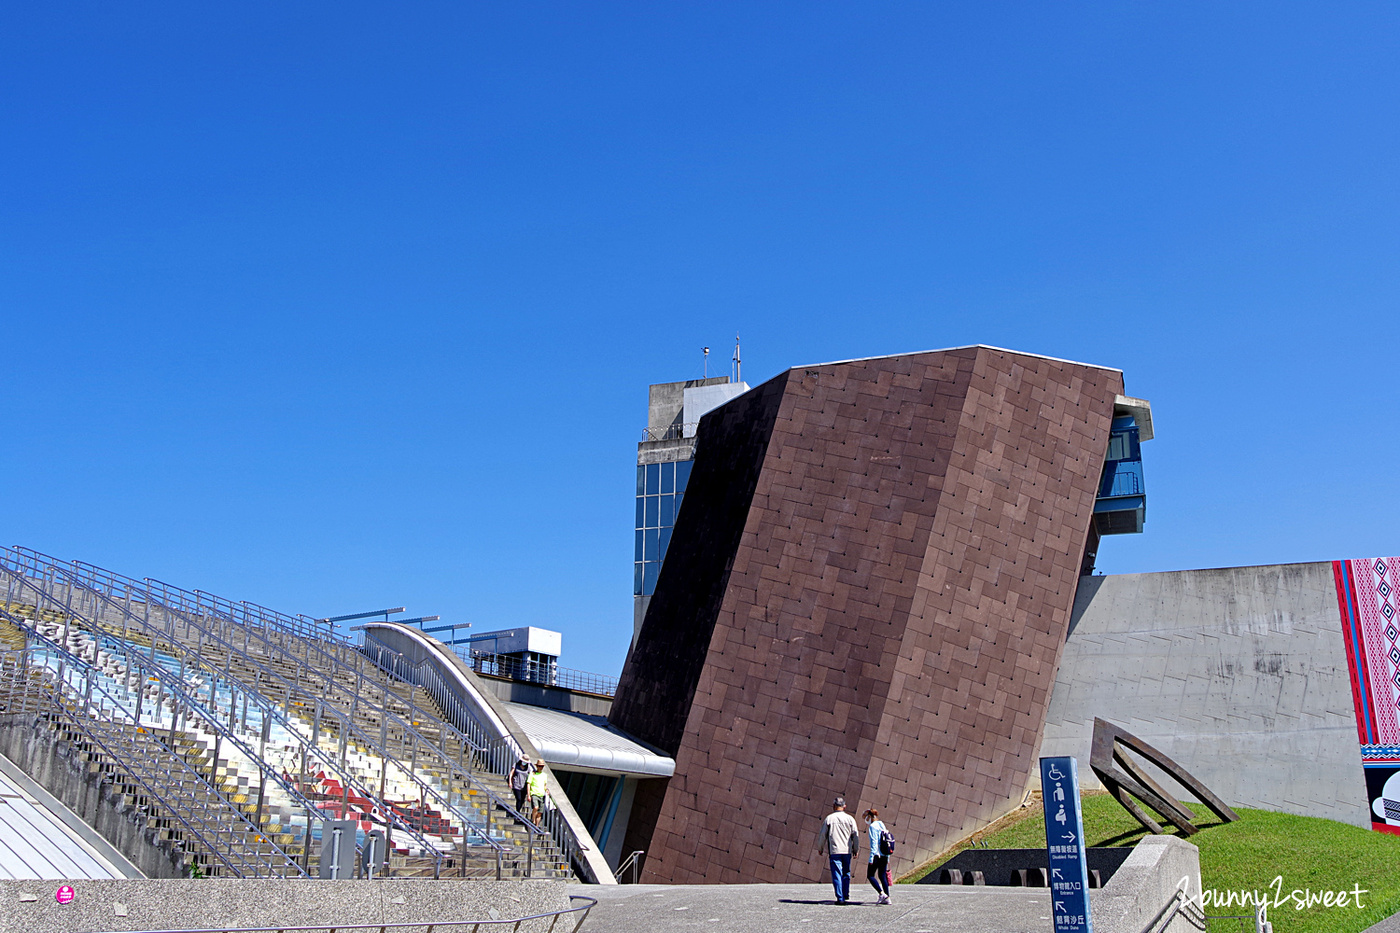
(333,307)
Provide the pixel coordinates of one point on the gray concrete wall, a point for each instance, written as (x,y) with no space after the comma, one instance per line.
(54,765)
(666,400)
(560,698)
(259,903)
(1238,674)
(1144,884)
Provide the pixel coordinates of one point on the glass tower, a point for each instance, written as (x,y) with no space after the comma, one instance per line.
(660,488)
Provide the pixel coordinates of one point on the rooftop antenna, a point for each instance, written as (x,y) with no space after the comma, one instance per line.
(738,365)
(706,351)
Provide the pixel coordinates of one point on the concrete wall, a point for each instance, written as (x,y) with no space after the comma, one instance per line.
(56,766)
(1238,674)
(560,698)
(1158,867)
(258,903)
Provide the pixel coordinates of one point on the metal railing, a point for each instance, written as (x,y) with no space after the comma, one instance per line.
(512,667)
(493,753)
(1181,904)
(32,689)
(633,864)
(172,687)
(196,610)
(256,622)
(671,432)
(553,916)
(500,752)
(187,710)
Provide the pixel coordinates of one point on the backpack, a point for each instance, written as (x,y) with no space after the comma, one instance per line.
(886,842)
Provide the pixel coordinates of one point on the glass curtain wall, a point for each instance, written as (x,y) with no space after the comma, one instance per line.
(660,488)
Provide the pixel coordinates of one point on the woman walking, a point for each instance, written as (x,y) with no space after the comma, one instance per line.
(877,869)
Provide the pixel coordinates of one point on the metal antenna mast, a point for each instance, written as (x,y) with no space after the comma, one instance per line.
(706,351)
(738,364)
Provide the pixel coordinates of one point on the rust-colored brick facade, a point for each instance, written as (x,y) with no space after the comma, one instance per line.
(866,594)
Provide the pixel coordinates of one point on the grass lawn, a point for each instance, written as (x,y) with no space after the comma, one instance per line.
(1309,854)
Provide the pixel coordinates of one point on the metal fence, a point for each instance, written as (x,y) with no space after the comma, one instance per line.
(498,752)
(512,667)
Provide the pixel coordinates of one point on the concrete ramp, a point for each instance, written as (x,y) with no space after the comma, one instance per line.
(41,839)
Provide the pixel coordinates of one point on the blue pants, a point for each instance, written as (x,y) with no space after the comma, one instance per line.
(841,876)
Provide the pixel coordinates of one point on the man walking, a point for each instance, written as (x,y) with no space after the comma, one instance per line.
(840,840)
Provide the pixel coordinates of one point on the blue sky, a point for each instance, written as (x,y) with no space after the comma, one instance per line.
(332,306)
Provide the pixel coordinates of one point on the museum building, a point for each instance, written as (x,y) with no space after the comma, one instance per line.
(867,594)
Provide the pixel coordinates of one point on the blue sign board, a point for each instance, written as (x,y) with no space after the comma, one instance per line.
(1064,838)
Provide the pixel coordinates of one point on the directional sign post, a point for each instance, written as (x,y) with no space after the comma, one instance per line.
(1064,838)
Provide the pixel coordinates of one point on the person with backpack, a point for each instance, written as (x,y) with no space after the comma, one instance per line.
(877,869)
(519,777)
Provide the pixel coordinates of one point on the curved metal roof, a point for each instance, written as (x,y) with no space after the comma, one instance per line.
(576,741)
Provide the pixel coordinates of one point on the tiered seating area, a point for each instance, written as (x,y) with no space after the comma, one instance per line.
(286,726)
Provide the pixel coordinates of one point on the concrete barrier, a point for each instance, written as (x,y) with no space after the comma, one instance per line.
(1145,883)
(160,904)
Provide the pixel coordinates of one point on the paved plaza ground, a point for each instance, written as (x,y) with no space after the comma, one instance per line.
(810,908)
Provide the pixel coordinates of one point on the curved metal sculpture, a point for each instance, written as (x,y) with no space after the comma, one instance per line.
(1109,754)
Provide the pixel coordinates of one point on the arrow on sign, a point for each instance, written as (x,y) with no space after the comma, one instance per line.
(1069,836)
(1055,873)
(1060,906)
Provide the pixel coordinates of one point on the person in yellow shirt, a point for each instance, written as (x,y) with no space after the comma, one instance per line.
(535,787)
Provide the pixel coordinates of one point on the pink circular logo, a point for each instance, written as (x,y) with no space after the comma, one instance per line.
(64,894)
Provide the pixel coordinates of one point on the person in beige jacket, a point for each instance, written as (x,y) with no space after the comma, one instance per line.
(840,840)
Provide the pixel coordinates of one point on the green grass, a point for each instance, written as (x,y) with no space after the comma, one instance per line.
(1309,854)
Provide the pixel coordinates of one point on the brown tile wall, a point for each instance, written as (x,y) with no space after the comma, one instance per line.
(890,623)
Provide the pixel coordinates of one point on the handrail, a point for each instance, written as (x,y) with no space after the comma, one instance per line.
(58,688)
(175,685)
(671,432)
(191,616)
(182,700)
(1180,903)
(504,751)
(347,726)
(433,925)
(634,862)
(406,728)
(498,754)
(253,614)
(97,580)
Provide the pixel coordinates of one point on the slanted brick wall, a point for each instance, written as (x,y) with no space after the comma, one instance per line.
(866,594)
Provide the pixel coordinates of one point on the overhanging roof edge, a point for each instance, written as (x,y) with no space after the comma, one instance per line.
(970,346)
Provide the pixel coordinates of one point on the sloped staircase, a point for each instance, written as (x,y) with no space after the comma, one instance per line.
(382,733)
(156,772)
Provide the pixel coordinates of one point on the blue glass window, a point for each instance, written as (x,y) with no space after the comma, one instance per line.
(659,493)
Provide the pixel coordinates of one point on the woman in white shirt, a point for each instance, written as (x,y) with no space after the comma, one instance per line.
(877,869)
